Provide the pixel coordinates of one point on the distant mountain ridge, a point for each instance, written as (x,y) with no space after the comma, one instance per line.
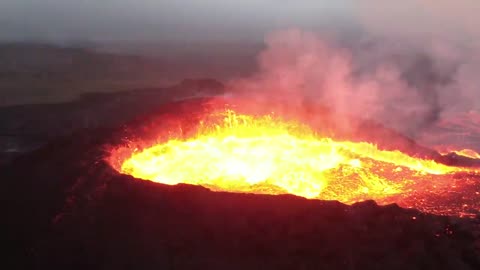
(44,59)
(32,73)
(42,73)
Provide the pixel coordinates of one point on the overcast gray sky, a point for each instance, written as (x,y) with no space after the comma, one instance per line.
(230,19)
(162,19)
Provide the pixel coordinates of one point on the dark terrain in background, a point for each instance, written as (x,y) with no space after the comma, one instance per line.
(41,73)
(47,91)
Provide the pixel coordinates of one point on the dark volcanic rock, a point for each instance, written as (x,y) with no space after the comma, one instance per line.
(64,207)
(27,127)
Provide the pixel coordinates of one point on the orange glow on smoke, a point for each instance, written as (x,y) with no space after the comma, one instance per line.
(267,155)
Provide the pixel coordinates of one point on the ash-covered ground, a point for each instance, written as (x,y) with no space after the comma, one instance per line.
(65,207)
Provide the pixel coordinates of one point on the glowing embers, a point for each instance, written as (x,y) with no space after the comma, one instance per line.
(264,154)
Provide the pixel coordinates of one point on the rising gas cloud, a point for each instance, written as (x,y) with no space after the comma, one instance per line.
(413,64)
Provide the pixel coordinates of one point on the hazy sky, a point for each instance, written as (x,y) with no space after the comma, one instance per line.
(163,19)
(230,19)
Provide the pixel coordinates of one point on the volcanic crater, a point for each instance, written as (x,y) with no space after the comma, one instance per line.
(80,205)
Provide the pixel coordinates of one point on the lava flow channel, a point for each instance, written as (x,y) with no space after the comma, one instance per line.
(266,155)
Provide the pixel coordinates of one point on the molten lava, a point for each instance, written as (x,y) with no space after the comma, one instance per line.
(469,153)
(267,155)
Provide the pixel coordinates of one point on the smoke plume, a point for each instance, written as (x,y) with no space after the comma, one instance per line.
(302,65)
(415,63)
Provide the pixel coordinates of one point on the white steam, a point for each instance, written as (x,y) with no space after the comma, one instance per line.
(301,65)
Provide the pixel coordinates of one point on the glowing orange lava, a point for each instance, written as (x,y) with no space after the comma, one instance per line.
(463,152)
(264,154)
